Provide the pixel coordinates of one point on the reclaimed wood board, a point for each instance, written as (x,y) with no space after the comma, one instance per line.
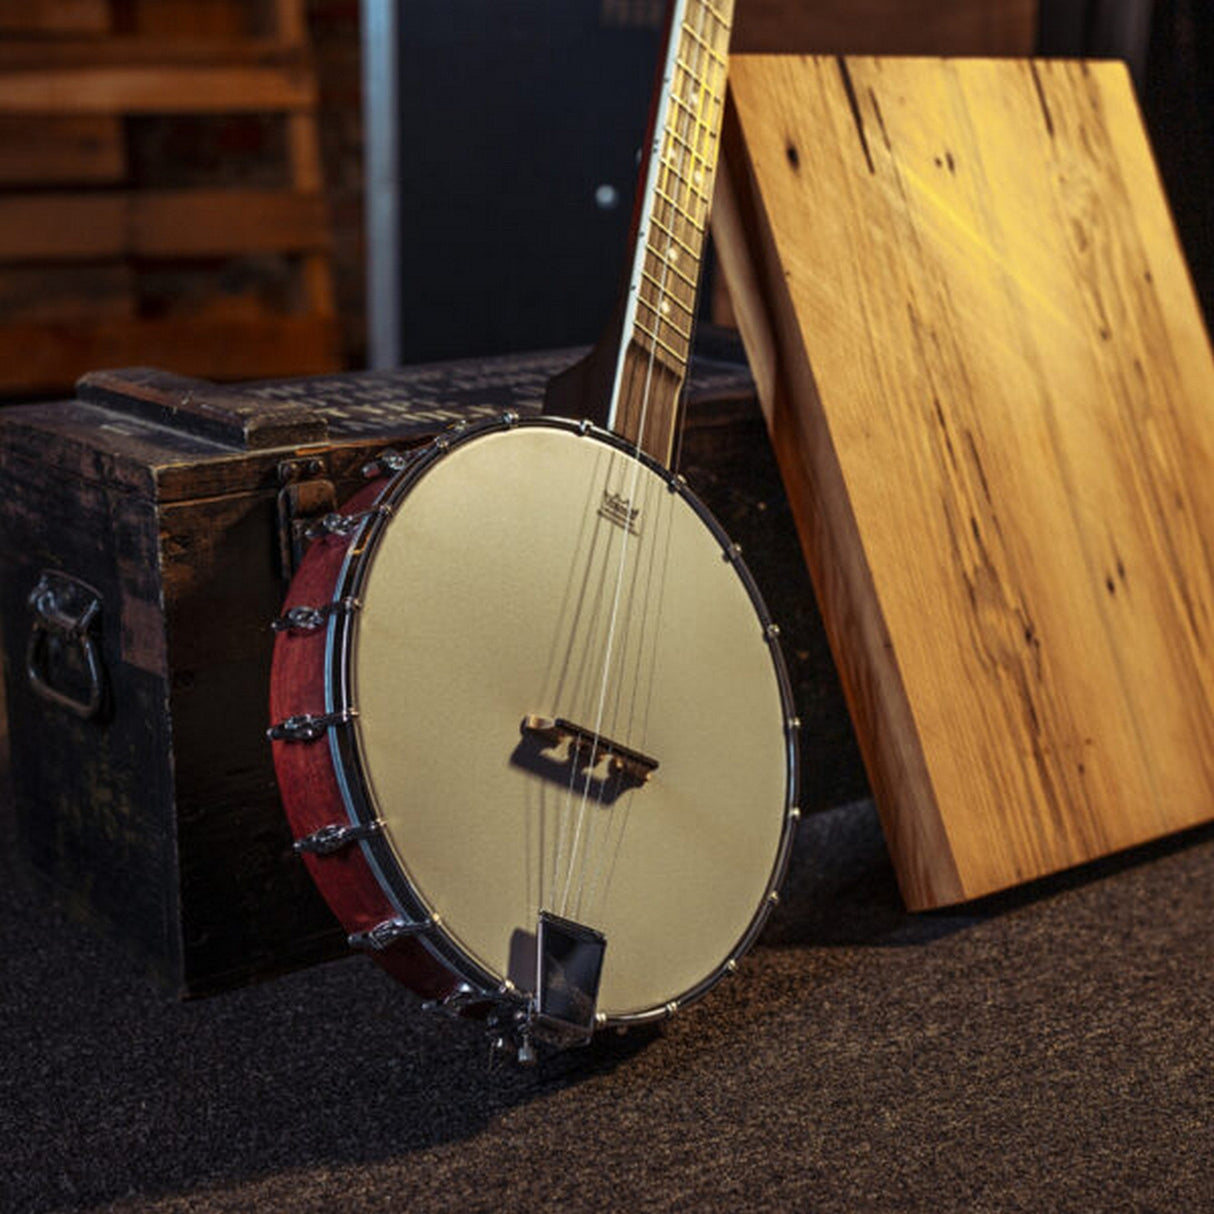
(207,264)
(65,150)
(58,226)
(34,353)
(992,399)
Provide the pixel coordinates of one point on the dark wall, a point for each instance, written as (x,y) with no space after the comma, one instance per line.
(513,118)
(1178,99)
(1173,59)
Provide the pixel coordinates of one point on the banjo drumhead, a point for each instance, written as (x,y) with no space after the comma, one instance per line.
(540,572)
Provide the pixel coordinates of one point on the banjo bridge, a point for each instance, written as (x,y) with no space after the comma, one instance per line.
(588,749)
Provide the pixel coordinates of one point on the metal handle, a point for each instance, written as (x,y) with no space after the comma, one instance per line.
(65,610)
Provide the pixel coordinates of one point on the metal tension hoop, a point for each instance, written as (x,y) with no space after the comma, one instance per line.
(335,836)
(308,728)
(305,618)
(387,933)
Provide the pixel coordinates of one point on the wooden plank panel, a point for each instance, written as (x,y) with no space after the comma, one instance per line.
(61,151)
(54,16)
(152,89)
(179,223)
(191,18)
(988,384)
(886,27)
(290,21)
(129,50)
(50,357)
(75,293)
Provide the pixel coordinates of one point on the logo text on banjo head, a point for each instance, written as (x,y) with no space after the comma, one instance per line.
(616,508)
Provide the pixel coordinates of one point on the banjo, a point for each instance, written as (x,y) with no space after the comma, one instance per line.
(532,727)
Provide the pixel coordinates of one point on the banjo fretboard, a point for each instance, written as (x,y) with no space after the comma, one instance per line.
(672,222)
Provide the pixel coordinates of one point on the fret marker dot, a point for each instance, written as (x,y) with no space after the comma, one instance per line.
(606,197)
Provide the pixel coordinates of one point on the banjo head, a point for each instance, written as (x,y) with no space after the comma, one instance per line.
(564,698)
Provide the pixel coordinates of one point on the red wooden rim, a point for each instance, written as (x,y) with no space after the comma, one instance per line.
(307,779)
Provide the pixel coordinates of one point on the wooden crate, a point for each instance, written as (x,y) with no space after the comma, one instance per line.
(157,817)
(988,384)
(219,275)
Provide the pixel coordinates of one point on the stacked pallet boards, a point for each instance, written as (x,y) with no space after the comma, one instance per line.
(161,193)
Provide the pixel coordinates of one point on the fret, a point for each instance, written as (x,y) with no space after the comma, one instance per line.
(669,248)
(664,308)
(680,356)
(678,138)
(694,199)
(672,281)
(663,312)
(713,53)
(703,72)
(683,284)
(704,112)
(686,237)
(677,226)
(712,10)
(663,319)
(685,281)
(670,265)
(699,228)
(707,128)
(688,132)
(700,76)
(669,338)
(682,244)
(651,291)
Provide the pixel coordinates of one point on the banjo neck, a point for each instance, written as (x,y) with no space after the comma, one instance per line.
(632,382)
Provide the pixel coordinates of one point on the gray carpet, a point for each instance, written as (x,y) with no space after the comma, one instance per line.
(1045,1050)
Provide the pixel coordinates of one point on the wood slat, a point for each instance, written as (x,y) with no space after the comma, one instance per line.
(43,357)
(153,89)
(290,20)
(75,293)
(192,18)
(37,150)
(988,385)
(179,223)
(54,16)
(131,50)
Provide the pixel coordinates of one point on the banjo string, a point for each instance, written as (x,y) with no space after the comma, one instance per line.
(640,705)
(629,676)
(578,682)
(679,180)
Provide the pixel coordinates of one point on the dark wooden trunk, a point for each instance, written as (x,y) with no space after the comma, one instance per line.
(158,816)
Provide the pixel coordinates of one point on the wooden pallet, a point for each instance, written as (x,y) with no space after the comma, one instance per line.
(988,384)
(101,267)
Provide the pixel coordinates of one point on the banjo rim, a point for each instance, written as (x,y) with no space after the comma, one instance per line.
(416,921)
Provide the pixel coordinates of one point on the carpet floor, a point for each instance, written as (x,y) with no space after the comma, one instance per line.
(1048,1049)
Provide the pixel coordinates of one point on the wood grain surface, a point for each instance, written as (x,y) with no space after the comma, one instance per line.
(992,399)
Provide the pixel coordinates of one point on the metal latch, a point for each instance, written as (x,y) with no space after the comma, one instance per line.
(306,496)
(63,658)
